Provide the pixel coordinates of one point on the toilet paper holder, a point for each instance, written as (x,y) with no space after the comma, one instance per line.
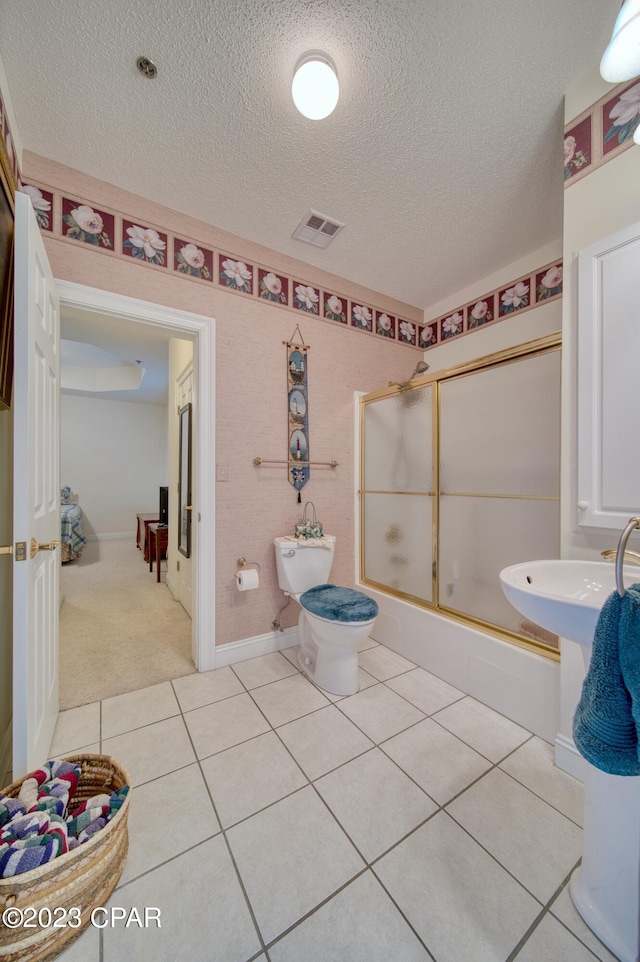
(243,563)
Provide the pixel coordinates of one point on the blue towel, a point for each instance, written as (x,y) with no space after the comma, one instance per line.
(607,720)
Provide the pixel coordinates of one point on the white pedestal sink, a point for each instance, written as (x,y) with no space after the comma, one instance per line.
(566,597)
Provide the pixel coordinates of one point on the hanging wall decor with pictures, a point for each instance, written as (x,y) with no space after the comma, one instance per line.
(298,412)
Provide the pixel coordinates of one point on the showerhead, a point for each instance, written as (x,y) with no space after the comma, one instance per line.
(420,368)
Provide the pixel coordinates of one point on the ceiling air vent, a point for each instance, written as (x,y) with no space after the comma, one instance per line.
(317,229)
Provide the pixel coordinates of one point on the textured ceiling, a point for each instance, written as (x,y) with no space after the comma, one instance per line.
(443,155)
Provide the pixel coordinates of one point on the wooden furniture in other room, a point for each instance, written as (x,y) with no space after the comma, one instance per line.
(142,536)
(158,541)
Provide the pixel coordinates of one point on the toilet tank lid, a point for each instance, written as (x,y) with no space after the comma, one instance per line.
(289,541)
(339,604)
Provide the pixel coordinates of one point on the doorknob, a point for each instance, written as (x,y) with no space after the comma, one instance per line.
(6,549)
(188,507)
(47,546)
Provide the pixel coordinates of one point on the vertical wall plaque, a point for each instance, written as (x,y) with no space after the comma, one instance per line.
(298,416)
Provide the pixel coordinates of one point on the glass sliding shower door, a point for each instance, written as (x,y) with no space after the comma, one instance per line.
(499,483)
(398,493)
(460,478)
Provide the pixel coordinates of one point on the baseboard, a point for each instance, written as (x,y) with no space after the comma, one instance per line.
(236,651)
(116,536)
(5,752)
(568,758)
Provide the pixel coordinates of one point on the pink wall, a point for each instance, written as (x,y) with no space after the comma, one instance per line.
(256,504)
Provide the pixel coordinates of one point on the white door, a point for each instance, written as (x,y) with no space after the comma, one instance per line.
(36,496)
(184,395)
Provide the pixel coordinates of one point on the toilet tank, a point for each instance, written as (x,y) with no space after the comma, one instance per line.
(303,564)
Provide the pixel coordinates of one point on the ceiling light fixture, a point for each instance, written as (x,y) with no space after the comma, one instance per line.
(621,59)
(315,88)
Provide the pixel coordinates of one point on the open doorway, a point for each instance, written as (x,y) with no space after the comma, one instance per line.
(167,641)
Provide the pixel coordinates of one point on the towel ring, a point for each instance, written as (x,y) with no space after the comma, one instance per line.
(622,547)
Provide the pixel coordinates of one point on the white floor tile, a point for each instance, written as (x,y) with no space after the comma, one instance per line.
(438,761)
(490,733)
(323,740)
(375,802)
(86,948)
(367,643)
(291,857)
(533,841)
(263,670)
(86,749)
(360,924)
(203,912)
(379,712)
(462,904)
(564,909)
(203,688)
(123,713)
(282,701)
(383,663)
(291,654)
(424,690)
(251,776)
(151,840)
(533,766)
(76,727)
(550,940)
(152,751)
(224,724)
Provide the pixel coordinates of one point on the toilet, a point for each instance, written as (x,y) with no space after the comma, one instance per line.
(333,620)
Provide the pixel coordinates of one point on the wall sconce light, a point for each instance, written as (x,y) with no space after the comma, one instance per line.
(315,89)
(621,59)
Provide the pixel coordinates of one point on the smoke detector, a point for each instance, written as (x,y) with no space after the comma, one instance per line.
(317,229)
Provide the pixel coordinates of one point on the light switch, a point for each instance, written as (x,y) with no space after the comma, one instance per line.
(222,471)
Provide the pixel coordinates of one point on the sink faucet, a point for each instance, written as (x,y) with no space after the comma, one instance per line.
(630,557)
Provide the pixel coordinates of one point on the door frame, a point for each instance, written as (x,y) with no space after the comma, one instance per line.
(202,328)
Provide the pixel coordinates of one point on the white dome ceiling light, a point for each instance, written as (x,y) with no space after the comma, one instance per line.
(315,89)
(621,59)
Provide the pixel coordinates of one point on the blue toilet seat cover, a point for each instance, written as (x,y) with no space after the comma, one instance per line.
(339,604)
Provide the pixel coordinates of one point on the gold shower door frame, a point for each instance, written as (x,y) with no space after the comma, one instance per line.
(540,346)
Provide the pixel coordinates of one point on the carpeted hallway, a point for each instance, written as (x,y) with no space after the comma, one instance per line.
(119,629)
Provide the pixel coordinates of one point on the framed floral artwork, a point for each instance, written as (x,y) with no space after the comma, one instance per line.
(86,224)
(144,243)
(335,307)
(480,312)
(514,298)
(620,117)
(385,324)
(234,274)
(406,332)
(42,201)
(427,335)
(549,283)
(361,316)
(578,152)
(306,298)
(273,287)
(451,325)
(192,260)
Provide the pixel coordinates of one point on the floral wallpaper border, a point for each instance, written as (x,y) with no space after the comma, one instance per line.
(529,291)
(76,220)
(601,132)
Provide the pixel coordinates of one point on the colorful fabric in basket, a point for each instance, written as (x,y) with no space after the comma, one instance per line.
(42,822)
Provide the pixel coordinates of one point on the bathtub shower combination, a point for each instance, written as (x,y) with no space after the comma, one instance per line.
(460,476)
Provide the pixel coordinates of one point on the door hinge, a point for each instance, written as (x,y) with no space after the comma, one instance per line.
(177,566)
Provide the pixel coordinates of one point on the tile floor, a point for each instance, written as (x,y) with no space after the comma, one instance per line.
(271,821)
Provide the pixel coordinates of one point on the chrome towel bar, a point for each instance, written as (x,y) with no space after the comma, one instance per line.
(327,464)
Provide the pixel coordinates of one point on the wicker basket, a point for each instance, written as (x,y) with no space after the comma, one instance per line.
(84,877)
